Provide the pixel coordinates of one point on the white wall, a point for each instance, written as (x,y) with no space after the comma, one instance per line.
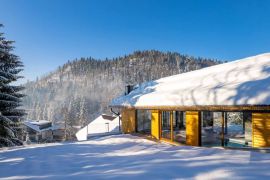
(99,126)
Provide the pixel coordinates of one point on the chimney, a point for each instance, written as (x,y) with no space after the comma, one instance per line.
(128,89)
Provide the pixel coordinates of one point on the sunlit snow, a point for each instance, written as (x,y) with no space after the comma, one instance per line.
(242,82)
(130,157)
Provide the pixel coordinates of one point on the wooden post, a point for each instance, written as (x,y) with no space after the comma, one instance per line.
(155,124)
(136,121)
(171,121)
(226,119)
(192,128)
(200,128)
(160,124)
(222,130)
(118,123)
(244,119)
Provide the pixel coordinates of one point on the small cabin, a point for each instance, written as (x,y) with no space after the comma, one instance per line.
(103,125)
(39,131)
(226,105)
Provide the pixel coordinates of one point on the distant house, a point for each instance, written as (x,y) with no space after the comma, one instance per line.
(41,131)
(103,125)
(226,105)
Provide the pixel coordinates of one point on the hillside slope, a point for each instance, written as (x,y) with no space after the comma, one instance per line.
(81,90)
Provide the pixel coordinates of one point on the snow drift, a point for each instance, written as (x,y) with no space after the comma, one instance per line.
(129,157)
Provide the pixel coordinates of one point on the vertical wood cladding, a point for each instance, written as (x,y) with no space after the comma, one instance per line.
(155,124)
(261,129)
(192,128)
(128,120)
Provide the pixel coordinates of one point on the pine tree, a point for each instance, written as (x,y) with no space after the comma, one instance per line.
(83,112)
(10,98)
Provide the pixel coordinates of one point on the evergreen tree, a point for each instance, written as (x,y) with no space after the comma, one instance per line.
(10,99)
(83,112)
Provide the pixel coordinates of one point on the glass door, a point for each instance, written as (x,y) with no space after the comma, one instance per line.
(212,129)
(173,126)
(143,120)
(229,129)
(166,125)
(179,127)
(238,129)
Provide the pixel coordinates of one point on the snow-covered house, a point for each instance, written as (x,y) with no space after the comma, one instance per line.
(39,131)
(222,105)
(102,125)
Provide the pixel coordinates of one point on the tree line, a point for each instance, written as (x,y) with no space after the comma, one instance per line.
(80,90)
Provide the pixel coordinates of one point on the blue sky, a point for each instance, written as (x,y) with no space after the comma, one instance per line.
(48,33)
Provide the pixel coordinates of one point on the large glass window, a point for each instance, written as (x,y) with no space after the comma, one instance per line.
(237,129)
(211,129)
(173,126)
(165,125)
(179,127)
(144,121)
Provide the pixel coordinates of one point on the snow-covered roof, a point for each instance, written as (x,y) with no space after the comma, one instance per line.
(39,122)
(36,125)
(241,82)
(108,117)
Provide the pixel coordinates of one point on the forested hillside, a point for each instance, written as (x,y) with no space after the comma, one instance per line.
(80,90)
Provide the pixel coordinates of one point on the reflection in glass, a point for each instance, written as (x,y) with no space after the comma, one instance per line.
(165,125)
(211,128)
(144,121)
(179,127)
(248,128)
(237,130)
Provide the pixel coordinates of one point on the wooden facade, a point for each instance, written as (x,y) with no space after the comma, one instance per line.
(227,97)
(260,126)
(193,128)
(261,129)
(155,124)
(128,120)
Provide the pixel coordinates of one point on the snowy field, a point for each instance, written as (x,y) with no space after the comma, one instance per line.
(126,156)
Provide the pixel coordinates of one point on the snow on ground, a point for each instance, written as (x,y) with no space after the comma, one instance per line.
(126,156)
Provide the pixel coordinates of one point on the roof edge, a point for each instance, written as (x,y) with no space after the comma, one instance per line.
(200,107)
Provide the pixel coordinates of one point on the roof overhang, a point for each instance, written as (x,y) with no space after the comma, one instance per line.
(201,108)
